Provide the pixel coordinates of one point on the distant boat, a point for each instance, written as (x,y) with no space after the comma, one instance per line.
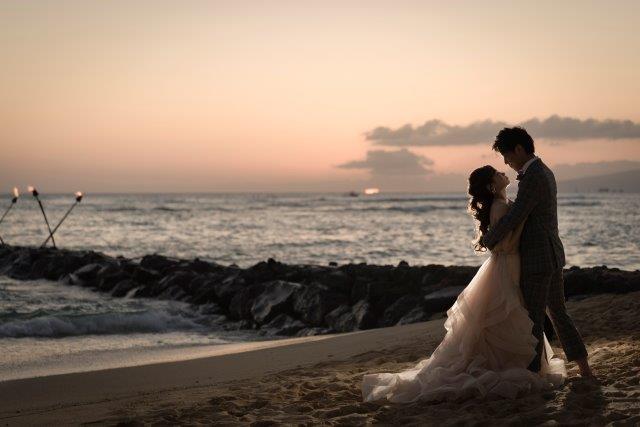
(352,194)
(370,191)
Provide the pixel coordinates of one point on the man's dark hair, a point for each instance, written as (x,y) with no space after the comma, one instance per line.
(508,138)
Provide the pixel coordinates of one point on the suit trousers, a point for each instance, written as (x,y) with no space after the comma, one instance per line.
(545,291)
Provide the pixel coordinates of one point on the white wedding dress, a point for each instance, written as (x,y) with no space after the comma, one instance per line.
(487,347)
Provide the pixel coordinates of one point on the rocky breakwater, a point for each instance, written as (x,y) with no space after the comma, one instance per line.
(281,299)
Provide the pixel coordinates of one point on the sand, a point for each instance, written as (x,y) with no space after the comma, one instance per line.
(316,380)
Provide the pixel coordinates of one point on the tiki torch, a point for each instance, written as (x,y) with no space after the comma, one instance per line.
(35,194)
(78,199)
(16,194)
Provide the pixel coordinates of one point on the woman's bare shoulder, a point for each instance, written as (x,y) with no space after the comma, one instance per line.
(499,208)
(500,205)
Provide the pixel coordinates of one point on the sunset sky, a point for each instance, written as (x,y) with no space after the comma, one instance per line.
(308,96)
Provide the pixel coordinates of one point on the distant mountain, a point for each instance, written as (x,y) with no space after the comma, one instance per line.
(565,172)
(628,182)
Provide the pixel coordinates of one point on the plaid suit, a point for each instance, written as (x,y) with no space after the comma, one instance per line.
(542,258)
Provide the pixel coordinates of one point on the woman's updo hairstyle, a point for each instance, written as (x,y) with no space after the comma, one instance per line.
(480,201)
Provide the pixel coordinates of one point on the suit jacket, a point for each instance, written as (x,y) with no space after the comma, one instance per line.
(541,250)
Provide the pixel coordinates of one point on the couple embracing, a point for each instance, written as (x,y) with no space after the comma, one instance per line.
(495,344)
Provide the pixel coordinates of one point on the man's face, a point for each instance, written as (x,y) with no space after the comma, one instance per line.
(511,159)
(516,158)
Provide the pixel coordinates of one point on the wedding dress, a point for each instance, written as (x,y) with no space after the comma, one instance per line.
(487,347)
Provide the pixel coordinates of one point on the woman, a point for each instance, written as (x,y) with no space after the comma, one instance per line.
(488,344)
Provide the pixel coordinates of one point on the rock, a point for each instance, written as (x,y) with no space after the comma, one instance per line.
(442,300)
(361,289)
(205,292)
(284,324)
(399,309)
(86,276)
(123,287)
(341,319)
(313,301)
(403,263)
(275,299)
(416,315)
(109,276)
(168,287)
(227,288)
(146,276)
(364,315)
(157,262)
(346,319)
(337,280)
(242,302)
(307,332)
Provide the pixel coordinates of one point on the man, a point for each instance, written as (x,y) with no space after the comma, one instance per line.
(541,251)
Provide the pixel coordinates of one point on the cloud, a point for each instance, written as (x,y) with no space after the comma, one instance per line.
(438,133)
(392,163)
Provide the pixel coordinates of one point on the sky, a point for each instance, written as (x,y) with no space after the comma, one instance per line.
(196,96)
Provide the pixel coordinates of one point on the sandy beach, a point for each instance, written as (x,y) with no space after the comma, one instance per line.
(313,380)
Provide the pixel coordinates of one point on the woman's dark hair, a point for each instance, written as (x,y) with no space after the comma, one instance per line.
(480,201)
(508,138)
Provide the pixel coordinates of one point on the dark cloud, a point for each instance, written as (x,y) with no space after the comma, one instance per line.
(389,163)
(437,132)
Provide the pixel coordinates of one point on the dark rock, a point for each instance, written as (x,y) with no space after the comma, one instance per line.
(403,263)
(401,307)
(361,289)
(205,292)
(109,276)
(168,287)
(364,316)
(242,302)
(275,299)
(442,300)
(341,319)
(313,301)
(146,276)
(346,319)
(157,262)
(227,288)
(284,324)
(308,332)
(416,315)
(337,280)
(86,276)
(123,287)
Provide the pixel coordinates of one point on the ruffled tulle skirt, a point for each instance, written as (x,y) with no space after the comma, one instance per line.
(485,352)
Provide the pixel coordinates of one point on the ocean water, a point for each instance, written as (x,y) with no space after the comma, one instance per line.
(599,228)
(47,328)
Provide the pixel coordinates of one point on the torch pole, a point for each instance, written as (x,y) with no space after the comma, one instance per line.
(2,219)
(47,221)
(57,226)
(13,202)
(6,212)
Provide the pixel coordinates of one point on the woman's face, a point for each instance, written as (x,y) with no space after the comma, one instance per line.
(499,181)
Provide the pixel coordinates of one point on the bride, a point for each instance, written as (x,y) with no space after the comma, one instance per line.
(488,344)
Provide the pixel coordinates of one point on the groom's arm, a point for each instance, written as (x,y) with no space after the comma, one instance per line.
(526,200)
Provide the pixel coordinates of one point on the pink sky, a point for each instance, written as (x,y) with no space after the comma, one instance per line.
(272,96)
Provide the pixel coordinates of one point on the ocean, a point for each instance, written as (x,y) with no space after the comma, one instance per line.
(48,328)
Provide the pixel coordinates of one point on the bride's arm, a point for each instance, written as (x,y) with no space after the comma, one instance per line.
(510,241)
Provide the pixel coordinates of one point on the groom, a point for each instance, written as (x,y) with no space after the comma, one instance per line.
(541,251)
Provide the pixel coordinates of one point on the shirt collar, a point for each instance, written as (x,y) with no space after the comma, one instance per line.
(526,165)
